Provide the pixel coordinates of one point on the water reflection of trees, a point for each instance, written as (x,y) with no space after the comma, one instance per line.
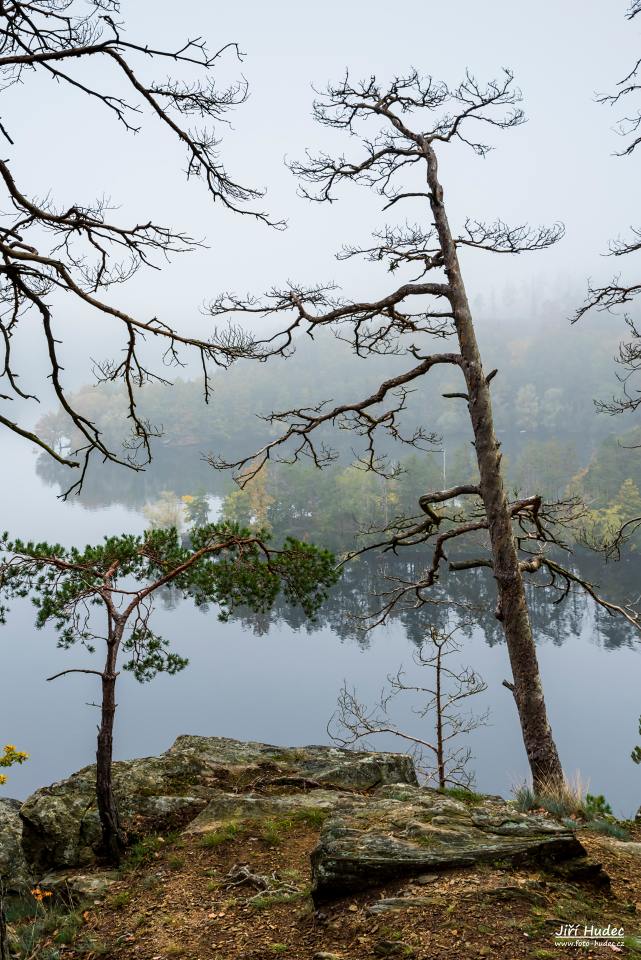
(472,595)
(182,470)
(355,595)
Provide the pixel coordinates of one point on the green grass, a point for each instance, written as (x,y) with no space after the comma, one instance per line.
(120,900)
(525,799)
(20,908)
(633,945)
(69,929)
(469,797)
(310,816)
(92,947)
(225,834)
(558,800)
(24,941)
(423,839)
(52,921)
(49,934)
(174,949)
(608,828)
(147,849)
(267,900)
(273,830)
(567,804)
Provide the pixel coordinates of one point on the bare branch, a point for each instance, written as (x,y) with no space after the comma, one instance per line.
(64,673)
(616,294)
(498,237)
(301,423)
(80,248)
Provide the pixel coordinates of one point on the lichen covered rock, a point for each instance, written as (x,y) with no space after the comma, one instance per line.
(14,870)
(385,838)
(378,824)
(61,826)
(237,807)
(73,888)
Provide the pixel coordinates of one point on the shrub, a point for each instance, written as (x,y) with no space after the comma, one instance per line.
(597,806)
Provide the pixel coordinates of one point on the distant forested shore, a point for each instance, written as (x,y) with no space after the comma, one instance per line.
(541,408)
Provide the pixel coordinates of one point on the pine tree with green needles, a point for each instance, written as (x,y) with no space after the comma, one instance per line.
(103,596)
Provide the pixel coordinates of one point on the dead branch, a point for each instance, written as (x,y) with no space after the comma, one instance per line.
(610,297)
(79,248)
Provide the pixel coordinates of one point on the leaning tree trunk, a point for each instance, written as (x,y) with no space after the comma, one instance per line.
(512,610)
(113,838)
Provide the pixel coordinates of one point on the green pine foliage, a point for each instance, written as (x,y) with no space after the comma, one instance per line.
(218,563)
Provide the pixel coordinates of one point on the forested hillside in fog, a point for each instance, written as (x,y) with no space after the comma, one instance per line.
(549,376)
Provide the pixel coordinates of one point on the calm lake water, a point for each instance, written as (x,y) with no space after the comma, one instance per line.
(276,680)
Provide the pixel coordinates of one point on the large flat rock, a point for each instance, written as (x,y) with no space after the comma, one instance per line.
(236,807)
(407,831)
(60,822)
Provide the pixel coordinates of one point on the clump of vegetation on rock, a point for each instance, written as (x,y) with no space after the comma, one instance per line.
(573,806)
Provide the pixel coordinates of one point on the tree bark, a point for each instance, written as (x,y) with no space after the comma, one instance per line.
(4,940)
(512,610)
(113,837)
(440,751)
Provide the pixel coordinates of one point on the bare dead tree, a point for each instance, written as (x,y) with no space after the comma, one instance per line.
(79,248)
(417,118)
(619,294)
(438,759)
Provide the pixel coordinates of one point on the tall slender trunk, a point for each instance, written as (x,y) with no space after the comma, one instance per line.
(440,751)
(512,609)
(113,837)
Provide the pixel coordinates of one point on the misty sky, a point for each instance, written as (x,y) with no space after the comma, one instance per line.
(559,166)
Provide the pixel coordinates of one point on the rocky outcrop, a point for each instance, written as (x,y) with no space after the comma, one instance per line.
(61,826)
(407,830)
(377,823)
(14,870)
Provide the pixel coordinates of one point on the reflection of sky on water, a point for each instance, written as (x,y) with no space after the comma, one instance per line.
(280,684)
